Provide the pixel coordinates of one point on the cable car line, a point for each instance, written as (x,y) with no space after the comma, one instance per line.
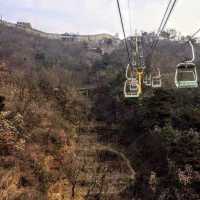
(130,17)
(194,34)
(167,19)
(190,39)
(162,25)
(164,16)
(130,23)
(132,82)
(124,33)
(156,79)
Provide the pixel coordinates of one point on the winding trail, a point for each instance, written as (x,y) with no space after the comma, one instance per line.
(121,155)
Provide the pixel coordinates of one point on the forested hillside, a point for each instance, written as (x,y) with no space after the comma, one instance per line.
(85,60)
(67,132)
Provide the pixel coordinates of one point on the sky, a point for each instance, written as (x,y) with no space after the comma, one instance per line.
(101,16)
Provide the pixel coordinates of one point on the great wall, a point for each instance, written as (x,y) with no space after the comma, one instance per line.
(65,36)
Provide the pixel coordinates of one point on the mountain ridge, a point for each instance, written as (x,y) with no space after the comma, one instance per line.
(62,36)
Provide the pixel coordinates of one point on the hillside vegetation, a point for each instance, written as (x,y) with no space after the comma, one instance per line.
(66,131)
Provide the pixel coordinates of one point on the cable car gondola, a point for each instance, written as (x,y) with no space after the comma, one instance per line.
(156,80)
(147,80)
(132,86)
(186,73)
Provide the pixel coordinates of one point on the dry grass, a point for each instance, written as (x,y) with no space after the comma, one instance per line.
(9,184)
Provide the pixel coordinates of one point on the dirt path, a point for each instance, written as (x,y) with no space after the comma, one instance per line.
(121,155)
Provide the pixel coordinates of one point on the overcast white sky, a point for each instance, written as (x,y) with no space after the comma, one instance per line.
(100,16)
